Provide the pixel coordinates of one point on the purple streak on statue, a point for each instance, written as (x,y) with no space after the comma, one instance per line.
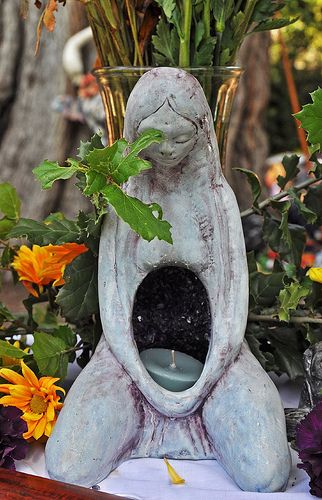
(115,410)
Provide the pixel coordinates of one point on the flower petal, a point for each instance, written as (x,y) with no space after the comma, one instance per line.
(12,376)
(30,431)
(50,413)
(40,428)
(29,375)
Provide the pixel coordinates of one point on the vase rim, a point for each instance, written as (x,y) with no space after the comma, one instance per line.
(237,70)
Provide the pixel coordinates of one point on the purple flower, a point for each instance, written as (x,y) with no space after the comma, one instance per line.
(309,444)
(12,445)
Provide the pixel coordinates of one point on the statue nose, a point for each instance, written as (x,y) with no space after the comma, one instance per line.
(166,149)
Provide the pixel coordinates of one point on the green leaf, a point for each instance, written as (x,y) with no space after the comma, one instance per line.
(48,172)
(273,24)
(254,183)
(273,235)
(138,215)
(11,351)
(290,164)
(119,161)
(167,6)
(264,288)
(309,215)
(78,298)
(313,201)
(9,202)
(265,9)
(251,262)
(289,299)
(288,353)
(283,207)
(49,354)
(222,10)
(85,147)
(5,227)
(203,56)
(166,44)
(66,334)
(94,182)
(55,232)
(31,229)
(311,118)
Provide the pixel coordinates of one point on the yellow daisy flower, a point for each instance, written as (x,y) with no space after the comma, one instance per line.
(36,398)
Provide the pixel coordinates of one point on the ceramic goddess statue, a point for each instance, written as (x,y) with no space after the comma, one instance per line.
(115,410)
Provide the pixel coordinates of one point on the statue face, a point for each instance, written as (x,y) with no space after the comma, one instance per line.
(180,136)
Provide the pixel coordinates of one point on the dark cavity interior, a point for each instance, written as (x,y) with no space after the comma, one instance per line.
(171,310)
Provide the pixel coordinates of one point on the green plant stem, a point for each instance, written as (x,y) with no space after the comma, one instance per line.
(184,54)
(278,196)
(293,319)
(131,13)
(242,28)
(206,18)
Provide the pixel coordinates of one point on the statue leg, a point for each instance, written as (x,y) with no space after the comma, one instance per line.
(99,424)
(245,421)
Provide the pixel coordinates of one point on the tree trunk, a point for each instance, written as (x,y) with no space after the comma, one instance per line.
(247,140)
(30,131)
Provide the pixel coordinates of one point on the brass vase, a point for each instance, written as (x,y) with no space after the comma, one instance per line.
(219,84)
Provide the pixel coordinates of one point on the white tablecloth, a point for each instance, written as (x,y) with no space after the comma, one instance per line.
(147,478)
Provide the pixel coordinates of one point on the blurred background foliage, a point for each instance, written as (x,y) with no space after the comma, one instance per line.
(304,44)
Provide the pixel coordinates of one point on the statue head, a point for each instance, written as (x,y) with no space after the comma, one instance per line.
(172,101)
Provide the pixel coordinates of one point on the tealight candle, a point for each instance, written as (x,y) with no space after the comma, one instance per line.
(173,370)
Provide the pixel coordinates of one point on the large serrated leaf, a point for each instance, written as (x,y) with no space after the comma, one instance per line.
(311,118)
(139,216)
(56,232)
(78,298)
(203,56)
(49,354)
(166,44)
(48,172)
(9,202)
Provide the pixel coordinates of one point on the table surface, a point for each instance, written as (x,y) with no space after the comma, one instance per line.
(147,478)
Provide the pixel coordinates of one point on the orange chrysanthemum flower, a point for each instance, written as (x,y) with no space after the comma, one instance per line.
(41,266)
(36,398)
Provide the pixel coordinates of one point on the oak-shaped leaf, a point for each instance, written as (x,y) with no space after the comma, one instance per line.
(290,164)
(78,298)
(290,297)
(311,118)
(119,161)
(138,215)
(48,172)
(95,142)
(254,183)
